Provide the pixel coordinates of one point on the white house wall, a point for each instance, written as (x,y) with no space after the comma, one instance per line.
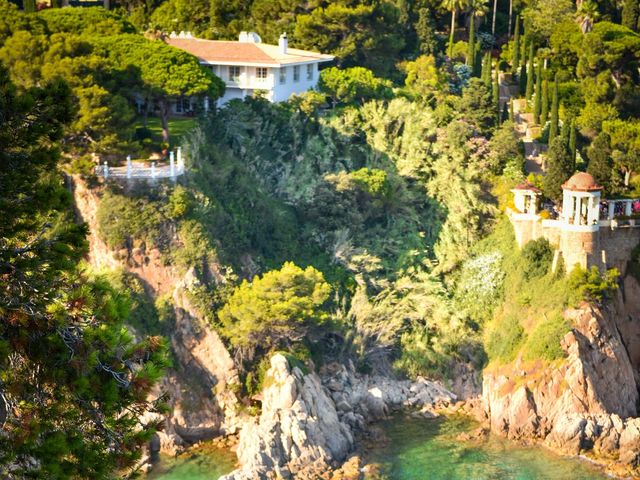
(275,91)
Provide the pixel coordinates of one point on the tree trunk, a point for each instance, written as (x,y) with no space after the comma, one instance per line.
(493,22)
(453,26)
(627,177)
(510,17)
(106,4)
(164,119)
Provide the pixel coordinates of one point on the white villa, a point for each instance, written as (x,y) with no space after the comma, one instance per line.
(248,65)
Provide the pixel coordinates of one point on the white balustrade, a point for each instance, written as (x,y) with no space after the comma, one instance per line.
(136,171)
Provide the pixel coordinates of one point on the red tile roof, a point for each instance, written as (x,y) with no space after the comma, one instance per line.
(243,53)
(526,186)
(581,182)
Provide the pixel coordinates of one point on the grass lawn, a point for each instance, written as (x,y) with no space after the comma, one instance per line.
(178,127)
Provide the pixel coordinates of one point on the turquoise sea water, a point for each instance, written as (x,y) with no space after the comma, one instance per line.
(418,449)
(207,463)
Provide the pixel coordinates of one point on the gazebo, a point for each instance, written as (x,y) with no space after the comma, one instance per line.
(525,198)
(581,201)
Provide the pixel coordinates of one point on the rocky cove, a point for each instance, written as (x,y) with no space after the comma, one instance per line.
(313,421)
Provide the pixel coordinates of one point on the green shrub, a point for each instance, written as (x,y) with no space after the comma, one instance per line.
(544,340)
(538,256)
(592,285)
(196,245)
(503,338)
(83,166)
(180,203)
(122,219)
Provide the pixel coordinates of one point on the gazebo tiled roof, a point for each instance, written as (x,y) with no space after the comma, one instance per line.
(526,186)
(581,182)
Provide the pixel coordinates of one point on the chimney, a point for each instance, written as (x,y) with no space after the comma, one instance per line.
(283,43)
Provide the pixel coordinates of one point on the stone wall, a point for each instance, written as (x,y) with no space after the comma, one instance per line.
(618,245)
(604,248)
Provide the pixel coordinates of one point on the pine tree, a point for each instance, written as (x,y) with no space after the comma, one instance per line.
(515,54)
(553,128)
(544,111)
(537,104)
(600,161)
(75,381)
(572,140)
(496,94)
(630,11)
(559,168)
(471,49)
(530,77)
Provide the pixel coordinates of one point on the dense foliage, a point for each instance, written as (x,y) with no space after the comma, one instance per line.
(360,221)
(73,382)
(107,67)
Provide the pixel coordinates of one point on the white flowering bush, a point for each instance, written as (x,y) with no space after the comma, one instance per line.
(480,284)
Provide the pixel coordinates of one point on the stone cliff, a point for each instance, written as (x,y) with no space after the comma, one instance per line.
(202,405)
(585,403)
(309,421)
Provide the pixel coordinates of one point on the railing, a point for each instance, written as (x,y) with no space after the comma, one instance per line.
(131,171)
(612,209)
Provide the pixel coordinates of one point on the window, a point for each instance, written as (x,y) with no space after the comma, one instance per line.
(214,69)
(183,105)
(283,75)
(296,73)
(310,72)
(261,74)
(234,74)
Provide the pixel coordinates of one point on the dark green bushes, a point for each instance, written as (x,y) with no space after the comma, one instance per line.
(537,256)
(122,219)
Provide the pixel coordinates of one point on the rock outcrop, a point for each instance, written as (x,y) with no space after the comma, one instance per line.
(202,405)
(585,402)
(309,422)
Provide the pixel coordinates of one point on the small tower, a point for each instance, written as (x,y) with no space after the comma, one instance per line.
(525,198)
(581,202)
(580,222)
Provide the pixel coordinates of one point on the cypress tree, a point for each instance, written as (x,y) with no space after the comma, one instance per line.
(630,14)
(572,140)
(537,105)
(506,113)
(522,81)
(486,70)
(496,94)
(515,54)
(523,50)
(29,6)
(529,89)
(512,116)
(600,161)
(544,111)
(477,67)
(559,168)
(471,49)
(553,128)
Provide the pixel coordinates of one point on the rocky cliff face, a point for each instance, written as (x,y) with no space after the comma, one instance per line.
(585,402)
(309,422)
(202,405)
